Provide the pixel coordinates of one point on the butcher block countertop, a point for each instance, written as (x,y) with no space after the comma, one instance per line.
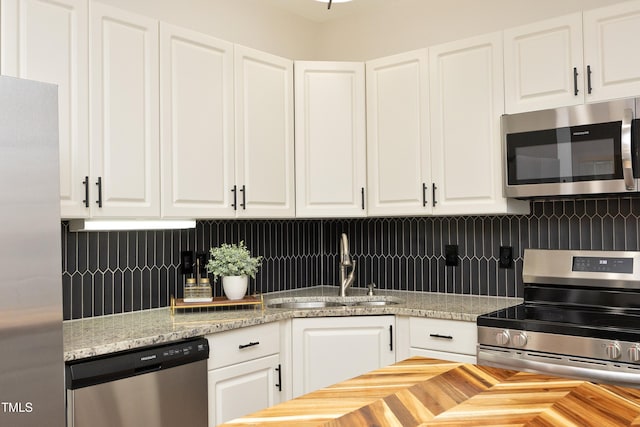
(429,392)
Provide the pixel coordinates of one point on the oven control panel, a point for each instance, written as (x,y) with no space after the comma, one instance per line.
(563,268)
(602,264)
(595,348)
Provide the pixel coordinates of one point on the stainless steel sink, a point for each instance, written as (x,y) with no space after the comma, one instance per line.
(377,303)
(332,302)
(372,301)
(304,304)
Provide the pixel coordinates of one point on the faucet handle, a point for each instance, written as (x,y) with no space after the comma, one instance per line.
(371,286)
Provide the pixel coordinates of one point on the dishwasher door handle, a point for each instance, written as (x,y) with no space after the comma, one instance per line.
(147,369)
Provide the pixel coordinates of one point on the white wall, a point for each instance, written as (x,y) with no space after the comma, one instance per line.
(393,27)
(402,25)
(253,23)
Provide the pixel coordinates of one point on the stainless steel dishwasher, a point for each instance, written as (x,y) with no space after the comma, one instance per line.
(158,386)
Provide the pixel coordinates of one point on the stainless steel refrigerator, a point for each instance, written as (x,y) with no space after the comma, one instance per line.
(31,354)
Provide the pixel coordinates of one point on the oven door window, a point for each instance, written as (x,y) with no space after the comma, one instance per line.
(570,154)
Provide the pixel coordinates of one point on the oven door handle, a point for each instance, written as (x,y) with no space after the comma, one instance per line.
(625,150)
(491,358)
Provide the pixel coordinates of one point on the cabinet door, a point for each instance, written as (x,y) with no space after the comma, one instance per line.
(610,35)
(196,104)
(243,388)
(333,349)
(330,139)
(124,112)
(264,134)
(46,40)
(466,104)
(398,158)
(543,64)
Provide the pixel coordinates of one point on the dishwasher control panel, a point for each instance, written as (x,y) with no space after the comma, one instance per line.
(101,369)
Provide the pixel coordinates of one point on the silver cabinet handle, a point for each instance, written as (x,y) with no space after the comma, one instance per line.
(625,149)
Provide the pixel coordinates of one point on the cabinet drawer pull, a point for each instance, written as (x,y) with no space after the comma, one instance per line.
(251,344)
(575,81)
(589,88)
(445,337)
(244,198)
(390,337)
(362,197)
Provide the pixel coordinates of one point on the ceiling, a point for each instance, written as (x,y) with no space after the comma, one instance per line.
(318,12)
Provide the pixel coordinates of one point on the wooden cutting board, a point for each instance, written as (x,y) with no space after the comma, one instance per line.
(429,392)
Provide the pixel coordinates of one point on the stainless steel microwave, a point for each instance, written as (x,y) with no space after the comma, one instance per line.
(572,151)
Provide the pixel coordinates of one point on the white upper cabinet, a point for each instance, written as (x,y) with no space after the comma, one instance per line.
(46,40)
(466,94)
(264,134)
(211,167)
(543,64)
(610,55)
(196,107)
(398,157)
(330,140)
(124,124)
(572,59)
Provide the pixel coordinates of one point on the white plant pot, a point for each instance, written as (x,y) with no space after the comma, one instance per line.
(235,287)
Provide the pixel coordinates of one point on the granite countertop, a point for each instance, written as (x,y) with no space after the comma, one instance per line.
(429,392)
(107,334)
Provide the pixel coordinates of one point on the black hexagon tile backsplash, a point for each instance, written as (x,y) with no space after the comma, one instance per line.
(114,272)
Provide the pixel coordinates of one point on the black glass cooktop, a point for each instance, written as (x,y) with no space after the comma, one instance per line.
(608,314)
(566,320)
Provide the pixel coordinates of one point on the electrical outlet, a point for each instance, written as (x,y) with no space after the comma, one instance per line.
(187,263)
(451,258)
(506,257)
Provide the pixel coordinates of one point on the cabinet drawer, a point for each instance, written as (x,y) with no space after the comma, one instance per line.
(445,335)
(442,355)
(240,345)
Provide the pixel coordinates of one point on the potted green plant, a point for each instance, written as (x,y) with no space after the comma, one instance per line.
(234,263)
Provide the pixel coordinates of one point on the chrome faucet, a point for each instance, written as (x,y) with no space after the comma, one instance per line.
(346,261)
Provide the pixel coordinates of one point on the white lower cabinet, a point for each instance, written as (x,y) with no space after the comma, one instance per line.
(243,388)
(328,350)
(244,371)
(453,340)
(252,368)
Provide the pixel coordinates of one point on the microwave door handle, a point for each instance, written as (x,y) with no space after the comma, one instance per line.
(625,143)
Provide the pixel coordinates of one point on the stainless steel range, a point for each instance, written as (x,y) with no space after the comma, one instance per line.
(580,318)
